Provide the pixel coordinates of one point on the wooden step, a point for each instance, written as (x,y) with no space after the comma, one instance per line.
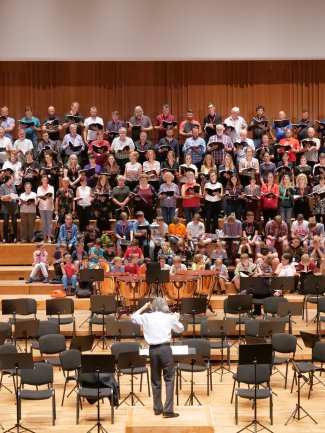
(19,272)
(21,254)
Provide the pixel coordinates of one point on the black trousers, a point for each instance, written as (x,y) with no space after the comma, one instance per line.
(84,215)
(6,225)
(212,210)
(162,362)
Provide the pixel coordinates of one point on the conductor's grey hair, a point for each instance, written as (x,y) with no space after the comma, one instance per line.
(160,304)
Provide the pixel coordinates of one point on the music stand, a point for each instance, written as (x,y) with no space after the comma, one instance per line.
(255,354)
(283,283)
(143,301)
(26,329)
(222,328)
(192,360)
(16,361)
(104,305)
(296,413)
(157,276)
(309,339)
(131,360)
(268,328)
(290,309)
(240,304)
(82,343)
(92,275)
(314,285)
(124,328)
(194,306)
(259,287)
(98,364)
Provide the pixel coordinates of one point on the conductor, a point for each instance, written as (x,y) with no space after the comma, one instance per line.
(157,327)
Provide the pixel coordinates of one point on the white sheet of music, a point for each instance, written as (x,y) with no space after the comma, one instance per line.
(177,350)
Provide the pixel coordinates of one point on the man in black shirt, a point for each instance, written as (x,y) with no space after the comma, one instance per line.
(74,116)
(210,121)
(53,125)
(167,143)
(258,128)
(305,122)
(251,229)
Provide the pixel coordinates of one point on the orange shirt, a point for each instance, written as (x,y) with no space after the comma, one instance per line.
(179,230)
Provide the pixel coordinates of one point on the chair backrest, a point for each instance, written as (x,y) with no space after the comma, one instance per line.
(122,347)
(8,348)
(246,374)
(284,343)
(252,327)
(271,304)
(6,328)
(123,329)
(63,306)
(46,327)
(32,306)
(70,359)
(42,374)
(228,310)
(321,304)
(51,344)
(203,347)
(318,353)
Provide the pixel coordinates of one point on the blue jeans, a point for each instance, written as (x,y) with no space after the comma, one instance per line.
(66,281)
(168,214)
(286,213)
(189,212)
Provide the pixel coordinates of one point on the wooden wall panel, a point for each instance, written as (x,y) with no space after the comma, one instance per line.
(288,85)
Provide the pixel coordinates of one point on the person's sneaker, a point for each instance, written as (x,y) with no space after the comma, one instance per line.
(45,281)
(170,414)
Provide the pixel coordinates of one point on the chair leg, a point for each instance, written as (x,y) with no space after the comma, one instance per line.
(228,356)
(74,327)
(208,382)
(294,380)
(311,383)
(141,382)
(148,383)
(233,391)
(236,409)
(271,408)
(77,409)
(64,389)
(53,408)
(111,401)
(286,376)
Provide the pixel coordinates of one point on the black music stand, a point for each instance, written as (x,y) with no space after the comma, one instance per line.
(157,276)
(240,304)
(83,343)
(285,284)
(315,285)
(120,329)
(255,354)
(26,329)
(131,361)
(98,364)
(102,304)
(194,306)
(92,275)
(16,362)
(259,287)
(193,360)
(296,413)
(222,328)
(290,309)
(269,327)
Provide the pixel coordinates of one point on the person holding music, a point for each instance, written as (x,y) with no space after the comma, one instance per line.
(157,328)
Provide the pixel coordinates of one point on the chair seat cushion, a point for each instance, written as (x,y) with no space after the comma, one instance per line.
(278,360)
(63,320)
(250,393)
(92,393)
(188,367)
(306,367)
(31,394)
(138,370)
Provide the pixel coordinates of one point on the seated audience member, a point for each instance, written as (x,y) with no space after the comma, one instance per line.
(96,252)
(124,231)
(184,252)
(109,252)
(221,275)
(264,267)
(79,254)
(133,249)
(40,264)
(286,268)
(264,252)
(68,233)
(202,249)
(177,265)
(28,202)
(220,253)
(69,274)
(91,235)
(244,248)
(276,232)
(140,231)
(198,262)
(245,268)
(166,252)
(299,228)
(315,229)
(251,229)
(163,265)
(316,250)
(232,231)
(58,258)
(176,231)
(305,267)
(296,249)
(117,265)
(196,232)
(158,234)
(132,266)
